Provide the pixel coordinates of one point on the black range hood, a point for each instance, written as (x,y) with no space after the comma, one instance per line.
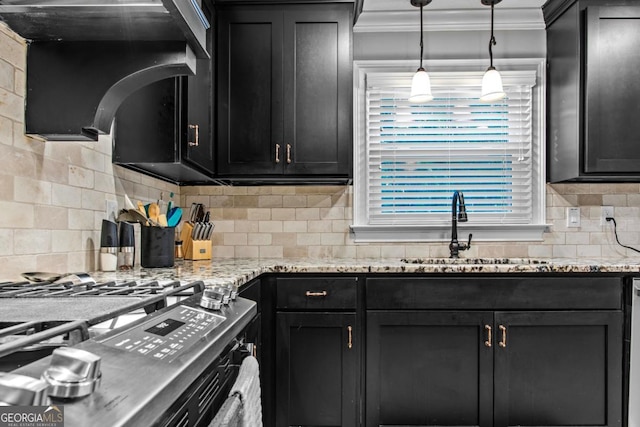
(85,57)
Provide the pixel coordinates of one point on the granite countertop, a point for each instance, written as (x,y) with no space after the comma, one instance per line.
(240,271)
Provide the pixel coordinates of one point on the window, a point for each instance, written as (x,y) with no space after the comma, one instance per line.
(411,158)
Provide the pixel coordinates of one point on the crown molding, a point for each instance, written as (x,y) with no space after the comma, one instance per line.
(450,20)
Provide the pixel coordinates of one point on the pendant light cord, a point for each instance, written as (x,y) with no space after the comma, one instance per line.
(421,37)
(492,40)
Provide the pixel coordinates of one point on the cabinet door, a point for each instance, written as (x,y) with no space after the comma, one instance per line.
(145,124)
(558,369)
(612,90)
(250,92)
(317,369)
(429,368)
(317,90)
(197,133)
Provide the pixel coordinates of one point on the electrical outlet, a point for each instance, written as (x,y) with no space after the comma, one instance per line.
(111,210)
(606,211)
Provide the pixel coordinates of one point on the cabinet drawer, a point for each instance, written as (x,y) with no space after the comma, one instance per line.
(495,293)
(316,293)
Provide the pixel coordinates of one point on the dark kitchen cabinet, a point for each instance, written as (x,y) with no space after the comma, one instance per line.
(317,352)
(494,352)
(592,59)
(165,128)
(285,93)
(428,368)
(558,368)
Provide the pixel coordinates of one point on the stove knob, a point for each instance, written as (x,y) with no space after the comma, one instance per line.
(72,373)
(212,299)
(21,390)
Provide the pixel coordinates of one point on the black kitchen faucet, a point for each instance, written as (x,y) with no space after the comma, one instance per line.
(461,215)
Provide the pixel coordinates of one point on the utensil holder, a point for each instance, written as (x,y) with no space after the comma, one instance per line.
(157,246)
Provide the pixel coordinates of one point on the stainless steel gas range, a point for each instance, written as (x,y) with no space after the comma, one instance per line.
(122,354)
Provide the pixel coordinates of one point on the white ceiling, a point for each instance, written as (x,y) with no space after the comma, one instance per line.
(449,15)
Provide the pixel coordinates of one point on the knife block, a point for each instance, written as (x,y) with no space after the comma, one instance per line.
(194,249)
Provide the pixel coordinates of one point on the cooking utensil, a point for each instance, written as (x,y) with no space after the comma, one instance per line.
(153,212)
(200,215)
(174,216)
(192,212)
(141,209)
(162,220)
(138,217)
(209,231)
(128,204)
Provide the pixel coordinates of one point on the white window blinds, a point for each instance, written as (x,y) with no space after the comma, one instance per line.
(417,155)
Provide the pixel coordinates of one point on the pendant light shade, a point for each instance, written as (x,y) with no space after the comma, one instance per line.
(492,86)
(420,87)
(492,89)
(421,83)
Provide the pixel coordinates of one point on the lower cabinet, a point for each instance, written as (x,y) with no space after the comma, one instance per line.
(477,350)
(558,368)
(437,363)
(317,369)
(427,368)
(317,353)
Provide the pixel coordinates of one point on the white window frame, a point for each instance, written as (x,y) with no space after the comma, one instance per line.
(365,232)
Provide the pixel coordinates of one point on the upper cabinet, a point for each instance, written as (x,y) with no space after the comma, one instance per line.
(284,103)
(593,127)
(83,60)
(164,129)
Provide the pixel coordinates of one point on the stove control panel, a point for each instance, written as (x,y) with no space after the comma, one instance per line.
(167,336)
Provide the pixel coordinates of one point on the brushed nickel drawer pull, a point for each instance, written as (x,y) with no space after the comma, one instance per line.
(288,153)
(488,341)
(350,343)
(277,153)
(316,294)
(197,135)
(503,342)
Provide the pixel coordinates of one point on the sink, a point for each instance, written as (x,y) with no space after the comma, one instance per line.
(508,261)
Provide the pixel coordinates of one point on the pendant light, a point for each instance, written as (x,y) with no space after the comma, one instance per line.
(491,81)
(421,84)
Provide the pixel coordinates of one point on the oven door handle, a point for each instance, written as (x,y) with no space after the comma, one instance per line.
(20,343)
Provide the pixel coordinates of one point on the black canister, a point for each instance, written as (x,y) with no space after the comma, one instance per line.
(108,246)
(127,249)
(156,246)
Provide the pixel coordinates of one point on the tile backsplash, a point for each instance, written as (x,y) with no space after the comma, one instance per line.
(308,221)
(53,200)
(53,193)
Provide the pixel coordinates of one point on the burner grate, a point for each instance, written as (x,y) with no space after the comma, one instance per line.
(68,289)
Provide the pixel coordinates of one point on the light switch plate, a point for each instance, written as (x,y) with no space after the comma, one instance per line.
(573,217)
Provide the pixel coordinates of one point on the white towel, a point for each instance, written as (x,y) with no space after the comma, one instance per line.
(247,387)
(230,414)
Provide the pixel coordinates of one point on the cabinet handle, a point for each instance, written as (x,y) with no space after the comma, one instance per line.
(316,294)
(503,341)
(488,341)
(197,136)
(277,153)
(288,153)
(350,343)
